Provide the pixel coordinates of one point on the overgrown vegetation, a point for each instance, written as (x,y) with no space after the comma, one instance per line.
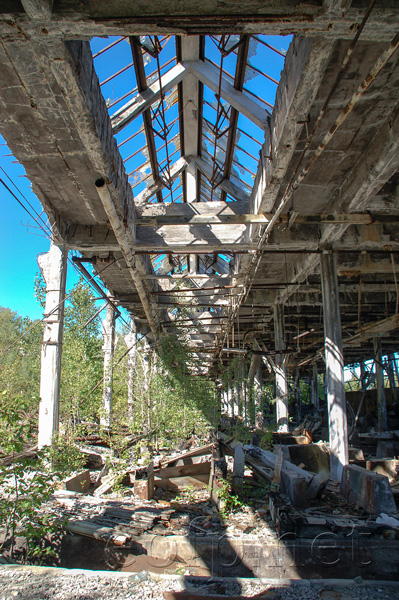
(25,484)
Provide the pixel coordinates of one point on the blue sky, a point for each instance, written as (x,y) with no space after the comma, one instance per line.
(20,239)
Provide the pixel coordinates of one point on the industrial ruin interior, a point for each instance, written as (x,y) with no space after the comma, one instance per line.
(227,173)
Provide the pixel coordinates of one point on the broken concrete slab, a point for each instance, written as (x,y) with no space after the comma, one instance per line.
(314,457)
(239,466)
(367,490)
(78,483)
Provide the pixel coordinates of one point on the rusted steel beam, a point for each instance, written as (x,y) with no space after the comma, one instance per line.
(141,78)
(238,84)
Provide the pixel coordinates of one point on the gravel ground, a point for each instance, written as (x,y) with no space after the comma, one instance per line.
(43,585)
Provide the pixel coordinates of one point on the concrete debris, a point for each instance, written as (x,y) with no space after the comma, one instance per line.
(367,490)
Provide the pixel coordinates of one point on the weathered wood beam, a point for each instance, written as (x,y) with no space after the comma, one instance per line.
(175,170)
(229,219)
(147,97)
(231,186)
(249,107)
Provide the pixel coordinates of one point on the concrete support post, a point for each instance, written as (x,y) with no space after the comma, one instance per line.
(381,401)
(391,377)
(108,351)
(334,367)
(315,388)
(230,399)
(281,371)
(131,343)
(53,268)
(258,395)
(236,407)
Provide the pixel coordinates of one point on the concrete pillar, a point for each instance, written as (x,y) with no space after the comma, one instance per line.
(334,367)
(236,407)
(281,371)
(381,401)
(230,399)
(258,396)
(108,351)
(131,343)
(53,268)
(315,388)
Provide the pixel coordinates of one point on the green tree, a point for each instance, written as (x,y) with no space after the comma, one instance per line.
(82,362)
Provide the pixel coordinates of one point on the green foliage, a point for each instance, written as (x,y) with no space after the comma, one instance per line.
(20,344)
(266,440)
(65,457)
(25,484)
(82,361)
(230,502)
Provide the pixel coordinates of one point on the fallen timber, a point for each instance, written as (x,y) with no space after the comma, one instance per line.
(298,484)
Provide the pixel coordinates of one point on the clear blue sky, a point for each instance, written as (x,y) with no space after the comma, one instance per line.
(20,240)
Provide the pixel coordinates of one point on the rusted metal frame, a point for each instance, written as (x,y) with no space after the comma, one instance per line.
(134,90)
(77,260)
(181,116)
(109,46)
(142,86)
(257,38)
(244,89)
(115,102)
(131,137)
(125,68)
(200,117)
(165,129)
(221,115)
(133,185)
(142,148)
(251,66)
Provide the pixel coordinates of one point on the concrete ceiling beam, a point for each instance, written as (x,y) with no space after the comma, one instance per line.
(74,19)
(38,9)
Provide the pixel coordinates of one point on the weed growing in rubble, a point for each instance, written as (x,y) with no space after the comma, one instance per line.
(25,484)
(229,502)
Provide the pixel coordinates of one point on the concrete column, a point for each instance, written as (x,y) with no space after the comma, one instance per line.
(281,371)
(230,399)
(237,389)
(131,343)
(108,351)
(334,367)
(381,401)
(315,387)
(258,396)
(53,268)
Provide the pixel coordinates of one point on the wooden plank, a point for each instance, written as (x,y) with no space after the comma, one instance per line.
(180,483)
(89,529)
(196,452)
(182,470)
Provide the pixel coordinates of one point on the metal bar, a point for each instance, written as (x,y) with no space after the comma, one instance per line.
(125,68)
(142,86)
(256,37)
(114,43)
(78,262)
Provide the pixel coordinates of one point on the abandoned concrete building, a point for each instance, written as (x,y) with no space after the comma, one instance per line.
(255,186)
